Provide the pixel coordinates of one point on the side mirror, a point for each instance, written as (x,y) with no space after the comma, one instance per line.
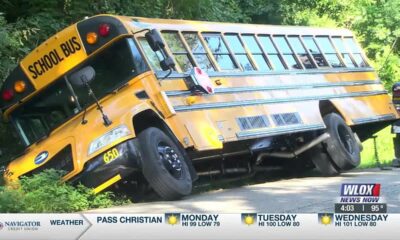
(154,39)
(83,76)
(167,64)
(156,43)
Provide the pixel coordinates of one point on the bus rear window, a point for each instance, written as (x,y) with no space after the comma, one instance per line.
(272,53)
(220,51)
(256,51)
(331,56)
(198,51)
(338,42)
(315,52)
(301,52)
(239,51)
(287,53)
(356,51)
(178,50)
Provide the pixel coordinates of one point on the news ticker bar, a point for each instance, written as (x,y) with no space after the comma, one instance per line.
(200,226)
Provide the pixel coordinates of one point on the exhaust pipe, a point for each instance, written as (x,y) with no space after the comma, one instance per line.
(296,152)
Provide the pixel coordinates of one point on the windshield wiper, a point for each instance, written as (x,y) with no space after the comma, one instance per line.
(107,121)
(84,121)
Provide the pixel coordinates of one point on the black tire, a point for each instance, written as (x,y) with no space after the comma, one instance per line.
(322,161)
(299,166)
(164,165)
(342,146)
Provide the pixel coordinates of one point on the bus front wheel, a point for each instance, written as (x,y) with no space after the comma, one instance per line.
(342,146)
(164,165)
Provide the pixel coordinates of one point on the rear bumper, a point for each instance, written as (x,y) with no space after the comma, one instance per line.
(97,171)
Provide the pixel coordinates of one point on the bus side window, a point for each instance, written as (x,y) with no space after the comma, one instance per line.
(220,51)
(301,52)
(256,52)
(178,50)
(198,51)
(331,56)
(151,55)
(239,51)
(338,42)
(356,51)
(272,53)
(287,53)
(315,52)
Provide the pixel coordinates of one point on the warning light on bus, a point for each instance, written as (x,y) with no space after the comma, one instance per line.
(104,30)
(19,86)
(7,95)
(91,38)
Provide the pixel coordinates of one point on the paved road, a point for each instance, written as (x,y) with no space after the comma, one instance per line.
(297,195)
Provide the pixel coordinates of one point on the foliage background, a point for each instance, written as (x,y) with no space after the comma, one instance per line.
(46,193)
(24,24)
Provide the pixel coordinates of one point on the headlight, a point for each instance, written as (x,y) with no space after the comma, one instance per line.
(108,138)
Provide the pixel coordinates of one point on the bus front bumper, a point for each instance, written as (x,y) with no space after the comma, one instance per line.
(110,166)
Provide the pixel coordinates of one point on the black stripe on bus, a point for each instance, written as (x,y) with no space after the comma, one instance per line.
(201,106)
(279,87)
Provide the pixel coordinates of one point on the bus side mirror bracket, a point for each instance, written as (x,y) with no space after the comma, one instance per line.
(167,64)
(156,43)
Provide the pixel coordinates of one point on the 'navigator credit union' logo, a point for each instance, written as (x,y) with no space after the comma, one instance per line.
(41,157)
(360,190)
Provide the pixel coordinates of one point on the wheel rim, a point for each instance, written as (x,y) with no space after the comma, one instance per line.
(170,160)
(346,139)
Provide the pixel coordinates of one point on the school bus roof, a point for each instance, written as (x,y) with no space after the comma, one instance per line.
(68,47)
(204,26)
(137,23)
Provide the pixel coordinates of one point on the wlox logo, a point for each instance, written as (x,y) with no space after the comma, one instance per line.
(360,192)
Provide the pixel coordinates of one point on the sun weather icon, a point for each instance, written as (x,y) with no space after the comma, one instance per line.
(249,218)
(172,218)
(325,218)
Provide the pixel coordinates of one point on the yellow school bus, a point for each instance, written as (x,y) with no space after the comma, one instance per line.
(113,100)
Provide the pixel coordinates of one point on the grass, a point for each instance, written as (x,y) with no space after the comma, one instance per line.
(384,142)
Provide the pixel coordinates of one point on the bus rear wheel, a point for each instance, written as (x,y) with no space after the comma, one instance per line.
(322,161)
(342,146)
(164,165)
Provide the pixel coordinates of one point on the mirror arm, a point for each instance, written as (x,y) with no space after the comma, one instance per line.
(143,30)
(167,75)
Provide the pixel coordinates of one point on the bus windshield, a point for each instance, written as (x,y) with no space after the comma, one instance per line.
(54,106)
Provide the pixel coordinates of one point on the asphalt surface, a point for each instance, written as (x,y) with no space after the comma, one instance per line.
(307,194)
